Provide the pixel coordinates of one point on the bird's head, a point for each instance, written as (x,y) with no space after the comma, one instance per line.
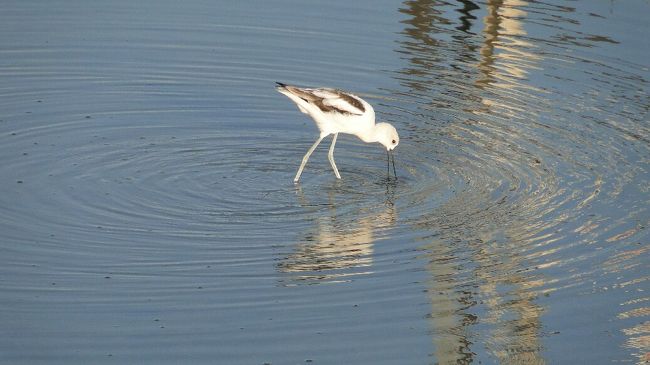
(387,135)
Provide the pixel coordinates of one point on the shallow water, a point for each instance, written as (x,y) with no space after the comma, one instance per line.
(148,214)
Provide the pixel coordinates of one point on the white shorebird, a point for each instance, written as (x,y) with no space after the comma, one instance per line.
(336,111)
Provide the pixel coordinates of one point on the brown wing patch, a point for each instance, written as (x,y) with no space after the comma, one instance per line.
(327,108)
(315,97)
(302,93)
(351,100)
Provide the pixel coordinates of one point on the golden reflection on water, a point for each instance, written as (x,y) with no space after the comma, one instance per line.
(639,334)
(485,289)
(506,57)
(508,294)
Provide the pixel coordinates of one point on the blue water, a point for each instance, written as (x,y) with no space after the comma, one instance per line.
(148,213)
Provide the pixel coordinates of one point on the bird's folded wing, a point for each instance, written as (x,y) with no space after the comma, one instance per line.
(340,101)
(328,100)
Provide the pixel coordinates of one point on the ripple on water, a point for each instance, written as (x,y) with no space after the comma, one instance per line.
(546,147)
(147,166)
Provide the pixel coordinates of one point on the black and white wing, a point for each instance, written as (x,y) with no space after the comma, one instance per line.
(325,99)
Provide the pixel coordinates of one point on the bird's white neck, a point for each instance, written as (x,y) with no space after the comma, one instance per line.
(369,135)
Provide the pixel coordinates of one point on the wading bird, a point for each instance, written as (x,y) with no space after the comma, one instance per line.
(336,111)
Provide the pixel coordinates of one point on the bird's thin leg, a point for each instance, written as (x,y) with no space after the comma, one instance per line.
(306,158)
(394,171)
(330,155)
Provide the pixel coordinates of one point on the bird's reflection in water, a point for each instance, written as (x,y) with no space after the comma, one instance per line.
(340,244)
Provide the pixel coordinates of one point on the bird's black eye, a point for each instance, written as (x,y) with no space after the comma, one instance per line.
(393,141)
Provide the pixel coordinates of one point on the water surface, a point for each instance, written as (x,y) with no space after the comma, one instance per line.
(148,214)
